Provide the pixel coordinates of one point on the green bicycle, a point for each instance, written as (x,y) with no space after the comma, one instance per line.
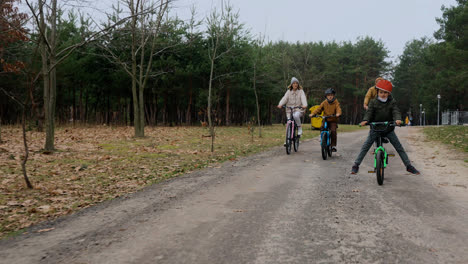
(380,153)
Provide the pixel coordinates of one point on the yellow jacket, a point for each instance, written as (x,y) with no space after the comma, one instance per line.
(329,109)
(371,94)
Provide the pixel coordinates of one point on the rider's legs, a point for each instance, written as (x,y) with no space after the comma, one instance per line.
(365,148)
(297,117)
(398,147)
(333,127)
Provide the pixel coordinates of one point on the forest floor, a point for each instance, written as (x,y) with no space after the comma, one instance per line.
(97,163)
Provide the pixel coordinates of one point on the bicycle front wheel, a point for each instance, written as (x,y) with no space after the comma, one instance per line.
(296,140)
(379,168)
(324,146)
(288,139)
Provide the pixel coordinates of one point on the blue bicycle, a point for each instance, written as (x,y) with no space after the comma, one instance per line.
(325,138)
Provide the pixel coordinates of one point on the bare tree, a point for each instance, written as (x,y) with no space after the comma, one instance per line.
(45,16)
(257,59)
(222,31)
(145,26)
(193,34)
(24,159)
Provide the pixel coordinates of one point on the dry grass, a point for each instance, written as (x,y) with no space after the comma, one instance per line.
(93,164)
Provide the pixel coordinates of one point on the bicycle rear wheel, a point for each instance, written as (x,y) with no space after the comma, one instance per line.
(288,139)
(379,169)
(324,146)
(296,140)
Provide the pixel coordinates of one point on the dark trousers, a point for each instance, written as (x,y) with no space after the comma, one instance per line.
(333,126)
(393,139)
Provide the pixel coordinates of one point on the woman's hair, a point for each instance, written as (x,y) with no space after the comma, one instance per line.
(299,87)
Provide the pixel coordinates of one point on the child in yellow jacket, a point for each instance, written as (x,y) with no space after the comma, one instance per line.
(330,106)
(371,93)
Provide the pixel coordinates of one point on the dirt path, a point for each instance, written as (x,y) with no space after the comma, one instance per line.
(272,208)
(444,167)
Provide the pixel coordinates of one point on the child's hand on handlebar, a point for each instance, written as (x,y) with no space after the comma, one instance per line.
(398,122)
(338,115)
(363,123)
(279,106)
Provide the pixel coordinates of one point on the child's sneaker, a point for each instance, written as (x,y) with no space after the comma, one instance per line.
(355,169)
(412,169)
(334,149)
(300,131)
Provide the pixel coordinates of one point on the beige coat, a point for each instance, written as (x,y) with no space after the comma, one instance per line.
(294,98)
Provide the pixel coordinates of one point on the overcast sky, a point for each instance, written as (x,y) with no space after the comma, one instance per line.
(393,21)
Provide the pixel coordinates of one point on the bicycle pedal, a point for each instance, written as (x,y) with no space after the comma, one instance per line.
(391,155)
(371,171)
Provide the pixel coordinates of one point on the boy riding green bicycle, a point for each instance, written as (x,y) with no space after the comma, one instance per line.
(382,109)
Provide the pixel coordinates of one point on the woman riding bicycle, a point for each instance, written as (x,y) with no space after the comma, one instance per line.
(382,109)
(294,97)
(330,106)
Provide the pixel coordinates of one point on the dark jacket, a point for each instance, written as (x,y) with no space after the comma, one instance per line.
(381,112)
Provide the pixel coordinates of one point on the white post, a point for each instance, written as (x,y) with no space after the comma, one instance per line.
(420,114)
(424,113)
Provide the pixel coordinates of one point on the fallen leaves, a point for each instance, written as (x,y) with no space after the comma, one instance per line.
(94,164)
(44,209)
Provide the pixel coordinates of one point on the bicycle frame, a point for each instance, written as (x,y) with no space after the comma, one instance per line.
(291,121)
(292,139)
(376,153)
(378,143)
(293,126)
(325,130)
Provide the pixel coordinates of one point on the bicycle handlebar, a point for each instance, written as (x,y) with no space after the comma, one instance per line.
(386,123)
(324,117)
(291,107)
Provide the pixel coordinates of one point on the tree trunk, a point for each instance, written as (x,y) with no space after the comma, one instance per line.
(188,114)
(164,114)
(141,109)
(135,93)
(108,109)
(26,150)
(256,101)
(86,107)
(49,76)
(73,116)
(210,122)
(228,94)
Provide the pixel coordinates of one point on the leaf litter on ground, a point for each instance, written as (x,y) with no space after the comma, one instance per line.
(96,163)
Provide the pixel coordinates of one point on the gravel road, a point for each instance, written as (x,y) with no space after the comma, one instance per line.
(266,208)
